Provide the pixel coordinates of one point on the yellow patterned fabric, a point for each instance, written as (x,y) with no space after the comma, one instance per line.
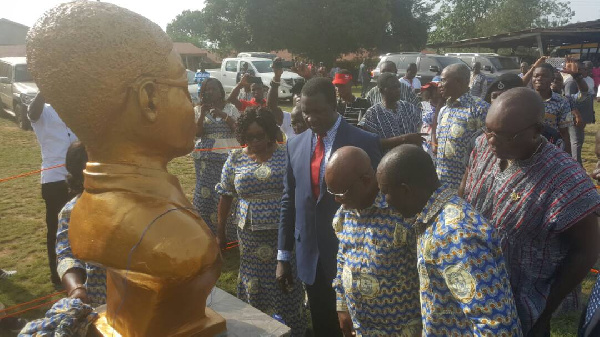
(377,282)
(465,290)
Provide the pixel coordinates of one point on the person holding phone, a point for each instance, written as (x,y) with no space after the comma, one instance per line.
(216,133)
(257,89)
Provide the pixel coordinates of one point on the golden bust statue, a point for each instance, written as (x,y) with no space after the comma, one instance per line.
(114,79)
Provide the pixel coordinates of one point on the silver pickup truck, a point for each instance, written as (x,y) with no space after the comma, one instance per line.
(17,89)
(230,67)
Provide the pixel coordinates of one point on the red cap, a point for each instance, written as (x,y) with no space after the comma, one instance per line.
(342,78)
(429,85)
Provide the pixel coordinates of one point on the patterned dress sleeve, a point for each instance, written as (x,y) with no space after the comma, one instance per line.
(338,286)
(478,280)
(227,184)
(64,256)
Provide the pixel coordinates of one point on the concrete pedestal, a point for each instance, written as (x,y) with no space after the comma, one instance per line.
(242,319)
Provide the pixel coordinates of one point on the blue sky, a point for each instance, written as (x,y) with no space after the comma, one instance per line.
(26,12)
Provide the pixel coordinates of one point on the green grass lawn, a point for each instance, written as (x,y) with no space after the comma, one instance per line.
(22,225)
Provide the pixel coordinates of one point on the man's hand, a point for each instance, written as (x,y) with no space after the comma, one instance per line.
(277,71)
(577,119)
(244,80)
(346,324)
(284,276)
(414,138)
(539,61)
(596,173)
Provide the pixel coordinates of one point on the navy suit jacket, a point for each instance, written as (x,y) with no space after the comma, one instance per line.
(306,223)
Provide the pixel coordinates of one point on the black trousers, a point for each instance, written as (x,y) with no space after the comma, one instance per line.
(55,195)
(321,300)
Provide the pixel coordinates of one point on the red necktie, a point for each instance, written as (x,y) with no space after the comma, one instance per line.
(315,166)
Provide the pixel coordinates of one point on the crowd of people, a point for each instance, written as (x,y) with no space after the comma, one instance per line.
(454,207)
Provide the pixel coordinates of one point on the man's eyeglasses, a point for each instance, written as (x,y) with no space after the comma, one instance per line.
(503,137)
(344,194)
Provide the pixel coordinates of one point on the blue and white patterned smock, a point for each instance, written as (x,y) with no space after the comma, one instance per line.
(459,124)
(387,123)
(376,281)
(465,289)
(96,276)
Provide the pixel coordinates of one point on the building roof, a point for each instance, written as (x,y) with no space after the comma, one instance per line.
(581,32)
(186,48)
(13,50)
(3,20)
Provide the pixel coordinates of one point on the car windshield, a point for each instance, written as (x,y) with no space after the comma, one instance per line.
(263,66)
(504,63)
(446,61)
(22,74)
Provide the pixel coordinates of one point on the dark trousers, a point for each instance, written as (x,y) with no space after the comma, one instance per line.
(321,299)
(55,195)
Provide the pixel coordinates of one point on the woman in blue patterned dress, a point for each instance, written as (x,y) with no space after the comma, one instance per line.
(80,279)
(215,129)
(255,176)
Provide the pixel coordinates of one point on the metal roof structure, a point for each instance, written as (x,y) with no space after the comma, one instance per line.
(542,38)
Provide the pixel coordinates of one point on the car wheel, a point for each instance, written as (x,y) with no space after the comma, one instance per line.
(21,115)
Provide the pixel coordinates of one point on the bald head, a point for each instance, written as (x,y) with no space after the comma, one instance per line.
(408,164)
(460,71)
(348,162)
(351,179)
(388,67)
(407,178)
(515,109)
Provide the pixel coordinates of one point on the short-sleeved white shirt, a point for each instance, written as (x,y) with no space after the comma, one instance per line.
(55,138)
(415,84)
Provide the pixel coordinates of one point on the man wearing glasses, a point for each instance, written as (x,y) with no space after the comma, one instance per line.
(540,201)
(376,278)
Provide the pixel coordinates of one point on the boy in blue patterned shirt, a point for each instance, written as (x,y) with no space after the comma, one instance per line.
(376,285)
(464,285)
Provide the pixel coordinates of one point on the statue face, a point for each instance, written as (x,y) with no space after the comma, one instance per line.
(175,111)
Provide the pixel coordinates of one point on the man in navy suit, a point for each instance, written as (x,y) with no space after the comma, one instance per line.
(307,209)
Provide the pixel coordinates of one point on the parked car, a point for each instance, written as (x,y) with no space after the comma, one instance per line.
(17,89)
(492,64)
(428,65)
(260,54)
(227,74)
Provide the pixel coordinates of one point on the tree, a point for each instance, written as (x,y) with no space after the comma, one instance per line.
(407,29)
(189,26)
(462,19)
(314,29)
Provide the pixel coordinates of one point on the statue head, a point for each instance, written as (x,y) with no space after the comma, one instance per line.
(114,79)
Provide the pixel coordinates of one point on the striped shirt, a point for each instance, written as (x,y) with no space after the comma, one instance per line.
(530,204)
(406,94)
(405,119)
